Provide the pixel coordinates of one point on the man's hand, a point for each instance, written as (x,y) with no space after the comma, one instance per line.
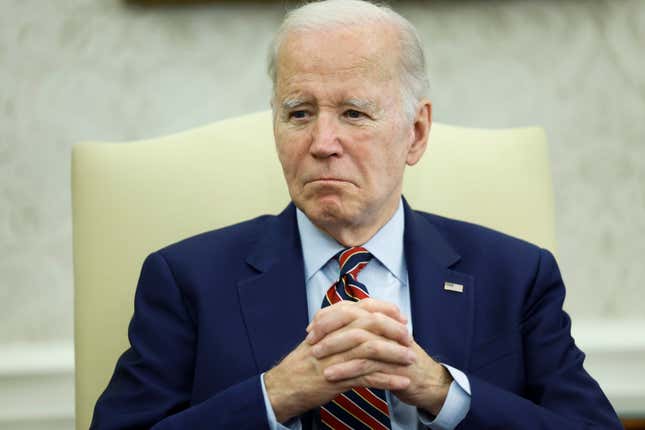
(336,333)
(429,380)
(369,334)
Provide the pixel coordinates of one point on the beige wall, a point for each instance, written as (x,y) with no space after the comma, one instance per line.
(99,69)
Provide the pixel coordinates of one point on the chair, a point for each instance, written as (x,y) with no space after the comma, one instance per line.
(132,198)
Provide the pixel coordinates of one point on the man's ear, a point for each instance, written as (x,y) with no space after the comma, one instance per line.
(420,132)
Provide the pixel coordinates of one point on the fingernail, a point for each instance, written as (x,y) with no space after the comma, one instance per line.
(412,357)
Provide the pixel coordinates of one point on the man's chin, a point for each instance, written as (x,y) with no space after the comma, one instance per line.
(325,210)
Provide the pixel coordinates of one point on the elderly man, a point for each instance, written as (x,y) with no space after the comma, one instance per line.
(349,310)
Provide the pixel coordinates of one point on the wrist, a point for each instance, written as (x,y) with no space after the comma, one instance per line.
(279,397)
(438,391)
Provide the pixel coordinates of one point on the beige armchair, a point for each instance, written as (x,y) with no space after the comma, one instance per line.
(132,198)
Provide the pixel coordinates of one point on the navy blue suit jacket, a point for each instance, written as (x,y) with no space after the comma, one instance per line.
(215,311)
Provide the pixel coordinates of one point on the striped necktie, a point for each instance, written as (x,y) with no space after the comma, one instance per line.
(359,408)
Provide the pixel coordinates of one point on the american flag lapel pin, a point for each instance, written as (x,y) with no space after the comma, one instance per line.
(450,286)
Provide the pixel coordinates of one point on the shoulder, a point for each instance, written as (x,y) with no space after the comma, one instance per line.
(476,242)
(220,244)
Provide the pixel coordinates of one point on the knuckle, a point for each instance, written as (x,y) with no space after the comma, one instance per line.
(370,349)
(363,365)
(346,306)
(366,302)
(372,319)
(346,311)
(376,379)
(357,310)
(381,318)
(403,352)
(322,346)
(387,306)
(357,335)
(318,316)
(402,332)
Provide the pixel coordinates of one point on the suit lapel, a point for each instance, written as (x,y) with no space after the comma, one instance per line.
(274,302)
(442,320)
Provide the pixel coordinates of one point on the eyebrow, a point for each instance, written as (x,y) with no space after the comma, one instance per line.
(289,104)
(362,104)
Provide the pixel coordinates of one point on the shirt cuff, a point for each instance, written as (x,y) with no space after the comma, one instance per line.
(455,407)
(293,424)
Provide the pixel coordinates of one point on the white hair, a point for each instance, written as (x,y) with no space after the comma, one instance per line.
(324,14)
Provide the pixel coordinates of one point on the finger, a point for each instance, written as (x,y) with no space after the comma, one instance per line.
(370,305)
(378,380)
(384,351)
(386,308)
(384,326)
(384,381)
(333,318)
(341,341)
(356,343)
(360,367)
(336,307)
(337,316)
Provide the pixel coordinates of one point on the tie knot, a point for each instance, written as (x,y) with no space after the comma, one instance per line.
(353,260)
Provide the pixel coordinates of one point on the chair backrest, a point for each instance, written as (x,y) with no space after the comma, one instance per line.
(131,199)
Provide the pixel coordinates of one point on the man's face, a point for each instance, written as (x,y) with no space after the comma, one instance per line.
(339,128)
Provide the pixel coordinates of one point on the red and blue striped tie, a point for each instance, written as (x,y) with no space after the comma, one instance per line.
(361,407)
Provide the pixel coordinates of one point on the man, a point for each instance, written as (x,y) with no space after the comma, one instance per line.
(425,321)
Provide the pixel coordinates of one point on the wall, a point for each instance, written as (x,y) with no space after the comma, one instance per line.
(103,69)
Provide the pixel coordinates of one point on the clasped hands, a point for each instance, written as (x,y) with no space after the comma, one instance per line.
(353,344)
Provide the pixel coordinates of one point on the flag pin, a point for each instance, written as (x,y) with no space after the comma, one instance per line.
(449,286)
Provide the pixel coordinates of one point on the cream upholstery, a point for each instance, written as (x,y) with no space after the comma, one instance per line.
(131,199)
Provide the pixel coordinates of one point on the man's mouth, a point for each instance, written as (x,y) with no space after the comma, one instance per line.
(329,180)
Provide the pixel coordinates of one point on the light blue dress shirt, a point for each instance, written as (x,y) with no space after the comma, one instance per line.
(386,278)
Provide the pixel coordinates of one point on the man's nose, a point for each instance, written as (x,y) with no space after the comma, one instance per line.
(325,137)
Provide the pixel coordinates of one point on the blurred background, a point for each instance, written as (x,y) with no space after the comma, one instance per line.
(73,70)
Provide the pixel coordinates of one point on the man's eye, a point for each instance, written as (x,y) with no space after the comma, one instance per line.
(298,114)
(353,114)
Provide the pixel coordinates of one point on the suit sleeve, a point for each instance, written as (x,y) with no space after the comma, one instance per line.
(152,383)
(559,393)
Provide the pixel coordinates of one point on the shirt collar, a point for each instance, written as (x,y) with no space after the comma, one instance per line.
(386,245)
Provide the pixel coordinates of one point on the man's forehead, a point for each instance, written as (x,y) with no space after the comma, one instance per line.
(339,50)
